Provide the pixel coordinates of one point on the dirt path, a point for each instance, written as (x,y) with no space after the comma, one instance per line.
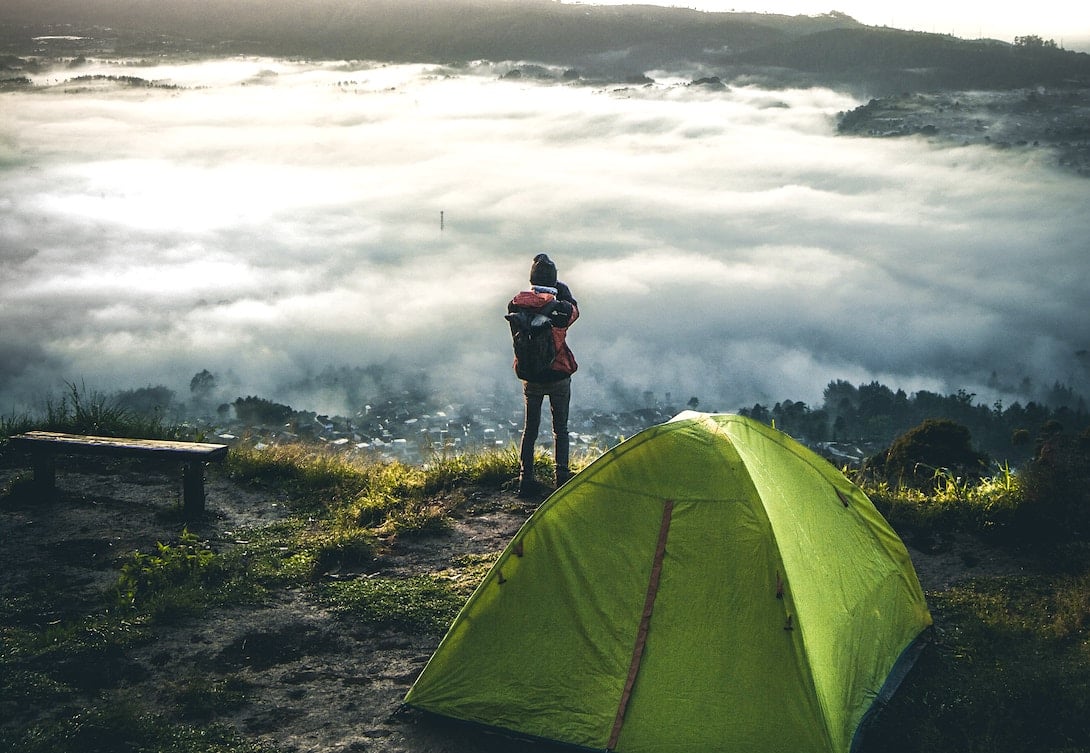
(315,681)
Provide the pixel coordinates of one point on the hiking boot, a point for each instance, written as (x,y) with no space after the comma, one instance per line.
(562,476)
(530,487)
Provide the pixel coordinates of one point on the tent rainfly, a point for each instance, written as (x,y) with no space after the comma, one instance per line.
(707,585)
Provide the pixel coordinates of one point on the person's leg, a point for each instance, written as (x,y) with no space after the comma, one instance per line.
(530,428)
(559,403)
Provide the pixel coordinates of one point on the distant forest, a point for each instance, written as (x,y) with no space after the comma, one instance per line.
(618,42)
(873,415)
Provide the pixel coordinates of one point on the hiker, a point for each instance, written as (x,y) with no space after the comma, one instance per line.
(544,364)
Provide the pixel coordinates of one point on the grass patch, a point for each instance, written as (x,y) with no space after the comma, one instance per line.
(269,558)
(92,635)
(1010,671)
(312,477)
(423,603)
(485,469)
(203,697)
(985,505)
(349,503)
(126,726)
(22,689)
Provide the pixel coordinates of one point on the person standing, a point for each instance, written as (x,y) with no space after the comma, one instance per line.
(551,300)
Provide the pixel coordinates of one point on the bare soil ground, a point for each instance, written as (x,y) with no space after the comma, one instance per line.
(316,680)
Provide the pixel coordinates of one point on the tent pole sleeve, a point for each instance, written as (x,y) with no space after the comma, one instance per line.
(645,622)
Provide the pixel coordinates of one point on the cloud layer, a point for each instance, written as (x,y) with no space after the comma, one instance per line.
(271,219)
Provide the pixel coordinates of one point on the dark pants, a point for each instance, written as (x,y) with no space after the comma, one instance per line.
(559,394)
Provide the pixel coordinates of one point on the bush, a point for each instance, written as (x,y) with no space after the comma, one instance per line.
(262,412)
(924,456)
(80,411)
(1056,490)
(178,578)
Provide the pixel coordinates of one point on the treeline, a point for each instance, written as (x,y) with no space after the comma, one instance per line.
(874,414)
(134,81)
(867,416)
(830,49)
(899,60)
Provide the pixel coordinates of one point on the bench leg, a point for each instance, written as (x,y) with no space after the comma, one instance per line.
(193,489)
(45,474)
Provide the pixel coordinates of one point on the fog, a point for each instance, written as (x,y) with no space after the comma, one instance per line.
(268,220)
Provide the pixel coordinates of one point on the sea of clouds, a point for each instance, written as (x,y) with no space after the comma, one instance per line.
(268,219)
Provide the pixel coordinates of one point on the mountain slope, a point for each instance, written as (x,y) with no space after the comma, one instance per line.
(829,49)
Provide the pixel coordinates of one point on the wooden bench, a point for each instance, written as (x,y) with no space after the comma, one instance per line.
(44,446)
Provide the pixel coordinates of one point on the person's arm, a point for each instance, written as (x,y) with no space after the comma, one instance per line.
(563,293)
(563,314)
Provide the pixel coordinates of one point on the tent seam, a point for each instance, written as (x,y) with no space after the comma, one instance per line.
(645,621)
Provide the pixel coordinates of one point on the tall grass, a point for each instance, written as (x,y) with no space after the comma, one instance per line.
(984,505)
(83,411)
(347,504)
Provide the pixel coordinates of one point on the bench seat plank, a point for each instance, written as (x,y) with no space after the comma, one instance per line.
(79,443)
(44,445)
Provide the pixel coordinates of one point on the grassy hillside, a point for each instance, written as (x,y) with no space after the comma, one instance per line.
(1008,669)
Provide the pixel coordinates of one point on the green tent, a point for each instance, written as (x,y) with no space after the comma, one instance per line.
(707,585)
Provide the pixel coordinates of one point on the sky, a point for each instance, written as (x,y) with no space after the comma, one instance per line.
(270,221)
(1066,22)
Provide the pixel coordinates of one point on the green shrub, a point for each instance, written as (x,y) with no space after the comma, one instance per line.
(177,578)
(926,454)
(1055,504)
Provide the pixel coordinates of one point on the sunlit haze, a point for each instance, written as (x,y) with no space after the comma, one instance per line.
(270,219)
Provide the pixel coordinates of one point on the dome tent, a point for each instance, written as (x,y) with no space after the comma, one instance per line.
(707,585)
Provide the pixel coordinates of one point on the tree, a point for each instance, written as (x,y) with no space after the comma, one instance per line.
(1034,42)
(202,384)
(758,413)
(146,401)
(259,411)
(840,394)
(875,399)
